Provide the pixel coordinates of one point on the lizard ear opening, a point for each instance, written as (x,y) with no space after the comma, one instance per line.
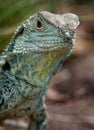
(6,66)
(19,32)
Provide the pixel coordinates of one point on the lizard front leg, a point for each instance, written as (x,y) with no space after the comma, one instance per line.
(38,119)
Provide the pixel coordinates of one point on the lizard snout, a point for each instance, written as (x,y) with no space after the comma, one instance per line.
(67,35)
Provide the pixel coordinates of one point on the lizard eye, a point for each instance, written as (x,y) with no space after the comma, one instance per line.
(39,24)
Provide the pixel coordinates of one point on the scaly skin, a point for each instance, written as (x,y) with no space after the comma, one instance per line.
(36,51)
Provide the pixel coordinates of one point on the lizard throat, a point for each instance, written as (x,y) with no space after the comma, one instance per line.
(40,71)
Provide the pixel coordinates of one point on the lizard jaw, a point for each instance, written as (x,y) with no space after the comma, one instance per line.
(51,47)
(40,48)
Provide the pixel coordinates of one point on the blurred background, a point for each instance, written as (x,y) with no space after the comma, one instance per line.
(70,98)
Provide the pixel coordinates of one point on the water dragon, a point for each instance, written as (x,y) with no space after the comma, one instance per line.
(38,48)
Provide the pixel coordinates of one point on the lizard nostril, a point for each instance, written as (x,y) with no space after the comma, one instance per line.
(68,38)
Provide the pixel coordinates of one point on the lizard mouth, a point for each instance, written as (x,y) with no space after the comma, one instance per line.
(43,46)
(52,45)
(49,47)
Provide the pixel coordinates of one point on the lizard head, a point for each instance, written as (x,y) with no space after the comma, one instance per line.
(44,32)
(40,44)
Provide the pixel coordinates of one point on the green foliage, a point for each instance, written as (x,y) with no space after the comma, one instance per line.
(13,11)
(3,41)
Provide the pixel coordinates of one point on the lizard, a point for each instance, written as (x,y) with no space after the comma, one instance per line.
(37,49)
